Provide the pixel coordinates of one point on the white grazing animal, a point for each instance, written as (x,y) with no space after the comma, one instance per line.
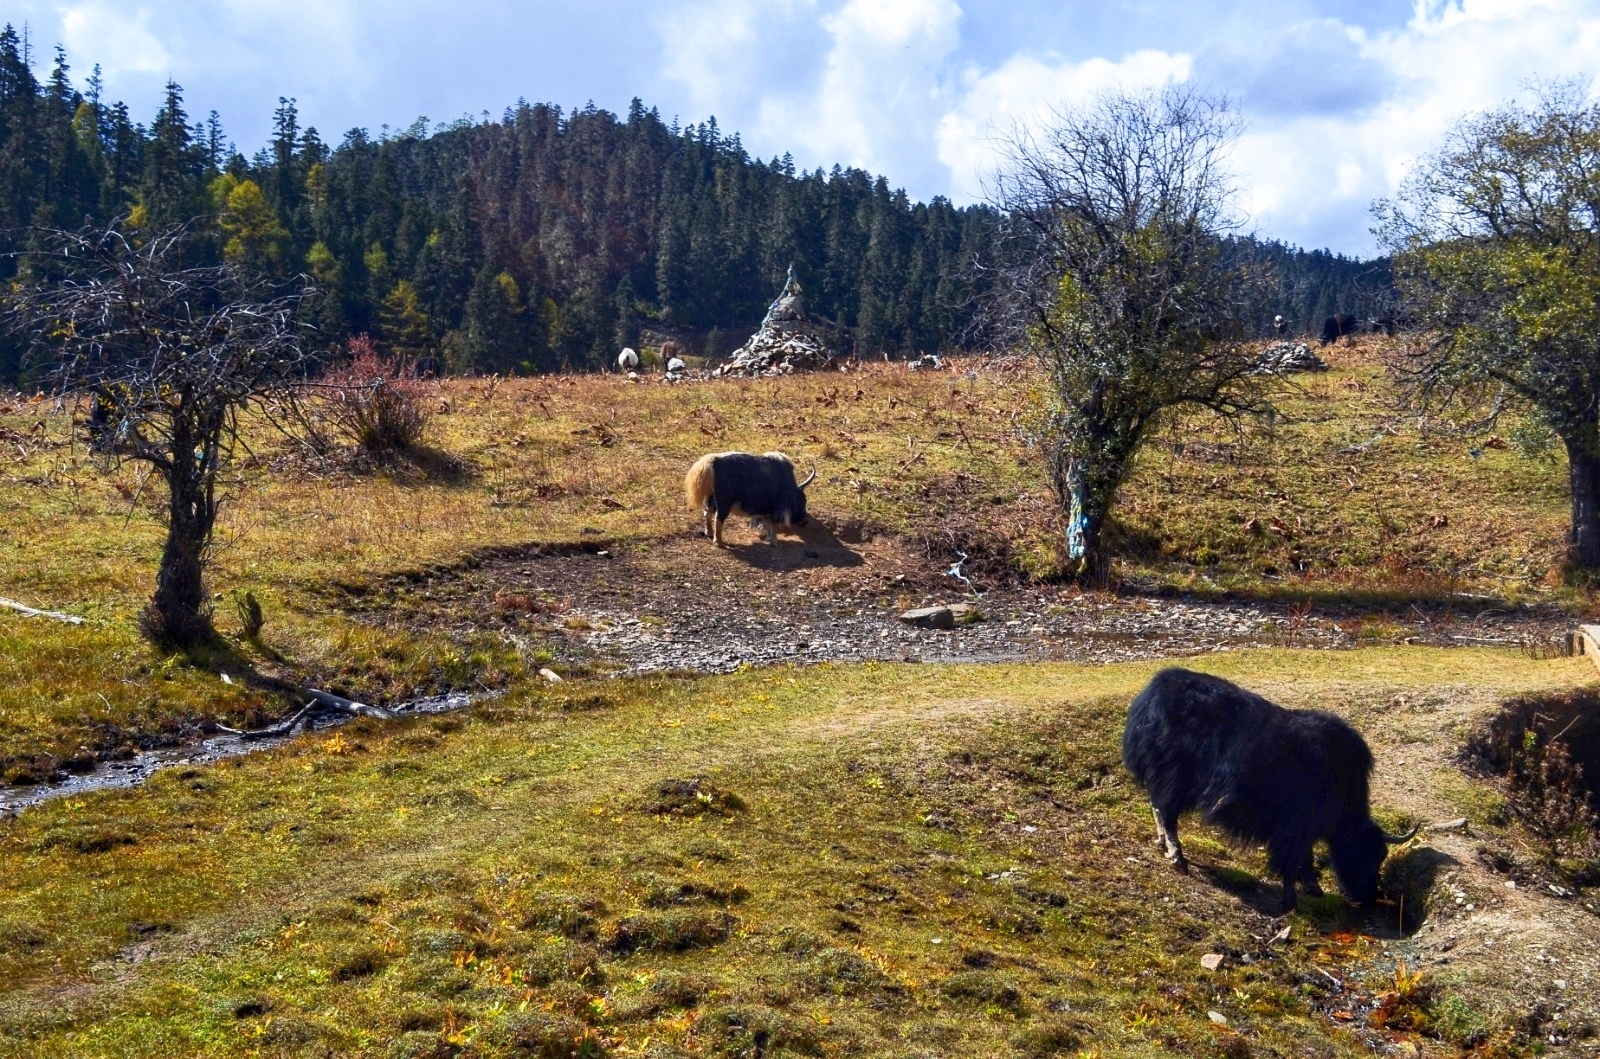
(628,360)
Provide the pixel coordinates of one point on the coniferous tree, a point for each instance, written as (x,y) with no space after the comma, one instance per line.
(497,337)
(169,190)
(610,229)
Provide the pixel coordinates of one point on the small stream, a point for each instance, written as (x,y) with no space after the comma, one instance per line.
(115,775)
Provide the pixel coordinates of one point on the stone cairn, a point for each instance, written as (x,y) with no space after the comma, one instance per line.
(787,341)
(1286,358)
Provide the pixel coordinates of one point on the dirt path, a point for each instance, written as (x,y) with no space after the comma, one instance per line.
(679,603)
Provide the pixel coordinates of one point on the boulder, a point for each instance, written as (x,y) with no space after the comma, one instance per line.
(930,618)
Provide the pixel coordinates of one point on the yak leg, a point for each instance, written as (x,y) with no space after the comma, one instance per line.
(1308,876)
(1293,865)
(711,515)
(1288,893)
(724,509)
(1167,837)
(769,532)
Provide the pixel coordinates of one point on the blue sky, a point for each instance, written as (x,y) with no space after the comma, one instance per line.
(1338,98)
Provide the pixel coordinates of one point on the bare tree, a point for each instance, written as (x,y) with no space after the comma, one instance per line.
(170,353)
(1496,242)
(1114,277)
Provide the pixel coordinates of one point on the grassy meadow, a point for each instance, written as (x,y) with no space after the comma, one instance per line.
(875,860)
(1308,508)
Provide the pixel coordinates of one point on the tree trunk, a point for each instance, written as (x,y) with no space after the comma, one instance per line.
(1086,492)
(1585,469)
(179,615)
(1095,509)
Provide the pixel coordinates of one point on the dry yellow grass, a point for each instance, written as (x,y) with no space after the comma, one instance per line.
(941,457)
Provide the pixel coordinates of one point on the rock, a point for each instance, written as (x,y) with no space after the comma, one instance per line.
(1281,936)
(549,676)
(930,618)
(965,613)
(1211,960)
(1458,824)
(926,362)
(787,341)
(1218,1017)
(1286,358)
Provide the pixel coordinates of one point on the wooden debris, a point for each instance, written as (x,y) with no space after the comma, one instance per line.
(32,612)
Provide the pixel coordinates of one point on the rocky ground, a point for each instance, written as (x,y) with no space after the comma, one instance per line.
(681,604)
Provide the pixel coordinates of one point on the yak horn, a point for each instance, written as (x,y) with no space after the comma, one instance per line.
(813,474)
(1395,840)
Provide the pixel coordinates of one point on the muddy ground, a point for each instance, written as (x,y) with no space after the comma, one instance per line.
(682,604)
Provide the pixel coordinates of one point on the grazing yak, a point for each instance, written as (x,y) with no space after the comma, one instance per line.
(762,487)
(1265,774)
(1336,327)
(627,361)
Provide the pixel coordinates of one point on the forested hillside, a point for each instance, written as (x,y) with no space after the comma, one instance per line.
(541,241)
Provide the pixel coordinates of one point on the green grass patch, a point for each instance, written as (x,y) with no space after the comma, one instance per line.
(894,859)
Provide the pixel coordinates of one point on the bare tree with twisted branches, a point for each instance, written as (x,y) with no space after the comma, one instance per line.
(171,352)
(1112,273)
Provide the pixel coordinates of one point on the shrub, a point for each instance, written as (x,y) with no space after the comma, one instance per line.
(1543,745)
(374,403)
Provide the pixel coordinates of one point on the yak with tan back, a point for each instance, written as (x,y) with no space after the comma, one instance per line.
(762,487)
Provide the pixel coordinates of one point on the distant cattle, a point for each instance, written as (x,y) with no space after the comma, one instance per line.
(1279,325)
(762,487)
(1336,327)
(1264,774)
(426,368)
(628,360)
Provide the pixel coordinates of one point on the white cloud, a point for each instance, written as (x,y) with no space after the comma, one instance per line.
(120,40)
(1020,92)
(1322,141)
(721,49)
(1312,177)
(882,88)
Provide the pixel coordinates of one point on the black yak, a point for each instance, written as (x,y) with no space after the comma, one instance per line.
(762,487)
(1265,774)
(1336,327)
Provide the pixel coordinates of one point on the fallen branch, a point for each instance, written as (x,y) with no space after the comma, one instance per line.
(271,730)
(350,706)
(320,701)
(23,608)
(1384,432)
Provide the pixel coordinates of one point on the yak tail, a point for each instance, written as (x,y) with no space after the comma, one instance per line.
(700,482)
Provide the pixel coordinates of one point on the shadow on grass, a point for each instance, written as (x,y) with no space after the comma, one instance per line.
(418,464)
(1409,879)
(1259,895)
